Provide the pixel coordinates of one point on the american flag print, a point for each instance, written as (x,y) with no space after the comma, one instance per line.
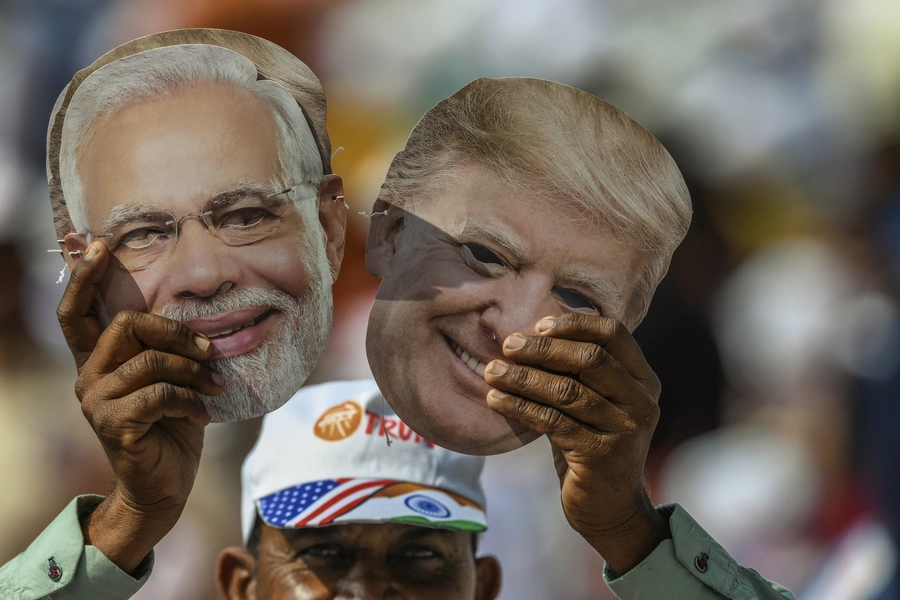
(318,502)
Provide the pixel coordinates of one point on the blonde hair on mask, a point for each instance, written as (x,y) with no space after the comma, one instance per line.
(586,157)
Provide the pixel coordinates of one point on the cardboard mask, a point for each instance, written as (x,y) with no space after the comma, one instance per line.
(200,129)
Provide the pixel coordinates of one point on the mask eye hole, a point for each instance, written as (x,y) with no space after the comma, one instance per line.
(243,217)
(143,237)
(483,255)
(575,301)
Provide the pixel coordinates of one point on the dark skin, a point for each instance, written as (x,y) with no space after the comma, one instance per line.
(137,383)
(583,381)
(385,560)
(598,409)
(138,380)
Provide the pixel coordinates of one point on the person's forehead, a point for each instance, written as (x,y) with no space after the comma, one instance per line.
(371,533)
(189,145)
(478,197)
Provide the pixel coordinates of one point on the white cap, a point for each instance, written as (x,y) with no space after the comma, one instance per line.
(323,459)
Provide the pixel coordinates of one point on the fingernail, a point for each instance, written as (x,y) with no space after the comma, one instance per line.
(498,394)
(202,342)
(218,378)
(497,367)
(514,342)
(545,325)
(91,252)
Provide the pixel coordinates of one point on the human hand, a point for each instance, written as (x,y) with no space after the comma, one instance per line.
(583,381)
(138,381)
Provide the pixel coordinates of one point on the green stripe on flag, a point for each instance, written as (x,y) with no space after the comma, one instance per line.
(460,525)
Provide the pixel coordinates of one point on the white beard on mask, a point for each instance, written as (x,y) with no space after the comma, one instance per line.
(262,380)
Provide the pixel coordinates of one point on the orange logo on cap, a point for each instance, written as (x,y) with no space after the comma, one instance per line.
(338,422)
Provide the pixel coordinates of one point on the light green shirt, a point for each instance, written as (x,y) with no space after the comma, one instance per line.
(672,570)
(691,566)
(84,572)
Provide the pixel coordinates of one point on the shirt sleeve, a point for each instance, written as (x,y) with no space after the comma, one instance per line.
(691,566)
(58,565)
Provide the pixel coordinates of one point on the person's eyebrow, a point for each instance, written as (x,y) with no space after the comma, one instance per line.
(417,533)
(598,287)
(123,214)
(509,242)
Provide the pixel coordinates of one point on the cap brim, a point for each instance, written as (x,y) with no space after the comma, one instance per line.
(367,500)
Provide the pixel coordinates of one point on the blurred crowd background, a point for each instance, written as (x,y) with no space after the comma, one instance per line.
(776,333)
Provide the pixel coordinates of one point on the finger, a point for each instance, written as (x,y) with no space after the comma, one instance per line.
(131,332)
(122,422)
(559,462)
(608,333)
(152,366)
(593,366)
(80,324)
(564,394)
(563,431)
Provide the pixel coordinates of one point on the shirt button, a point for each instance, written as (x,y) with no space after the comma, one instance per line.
(54,571)
(702,562)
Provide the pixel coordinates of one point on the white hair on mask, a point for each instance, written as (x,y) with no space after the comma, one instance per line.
(162,72)
(260,381)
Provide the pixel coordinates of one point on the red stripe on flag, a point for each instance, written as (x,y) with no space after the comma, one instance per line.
(344,510)
(341,496)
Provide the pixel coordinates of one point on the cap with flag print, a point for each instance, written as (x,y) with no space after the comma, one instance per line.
(323,459)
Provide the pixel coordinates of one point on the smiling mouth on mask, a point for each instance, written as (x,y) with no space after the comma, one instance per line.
(250,323)
(471,362)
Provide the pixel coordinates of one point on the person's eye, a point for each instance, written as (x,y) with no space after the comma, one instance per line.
(483,255)
(244,217)
(138,239)
(575,301)
(322,551)
(418,552)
